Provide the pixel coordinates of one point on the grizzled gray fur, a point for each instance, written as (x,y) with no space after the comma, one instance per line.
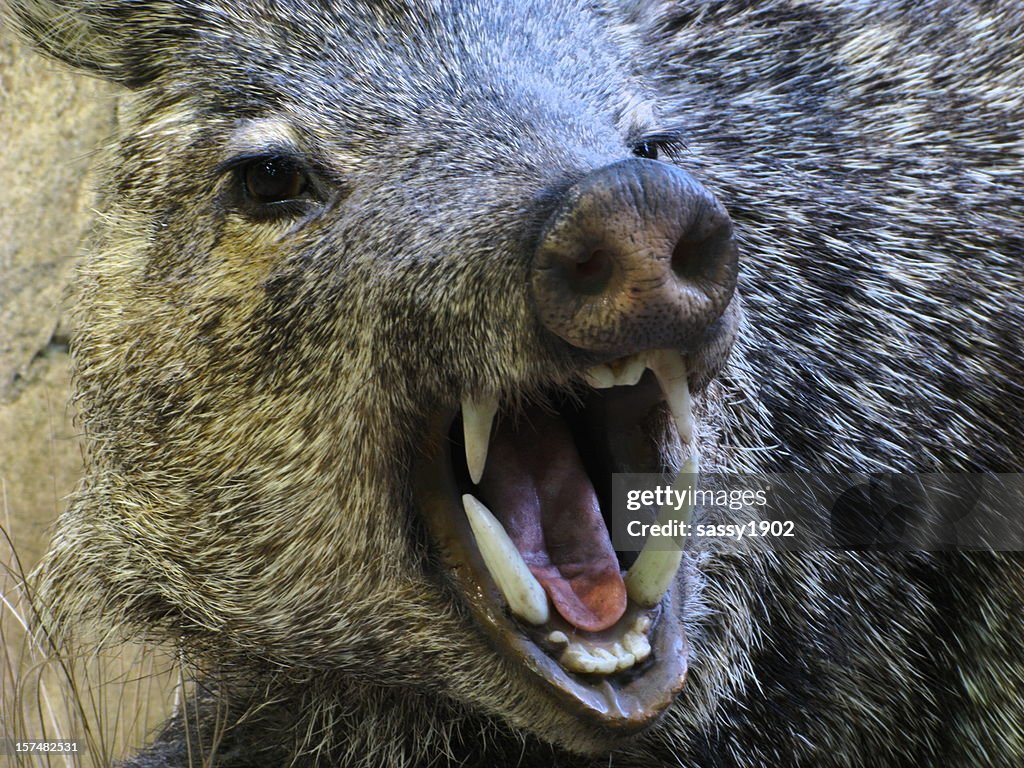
(255,380)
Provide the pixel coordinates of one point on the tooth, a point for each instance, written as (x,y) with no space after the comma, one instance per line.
(623,658)
(670,370)
(524,594)
(636,645)
(629,371)
(655,568)
(642,624)
(578,659)
(606,662)
(600,377)
(558,638)
(477,417)
(652,574)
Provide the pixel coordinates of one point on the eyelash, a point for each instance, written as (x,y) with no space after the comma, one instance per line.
(670,144)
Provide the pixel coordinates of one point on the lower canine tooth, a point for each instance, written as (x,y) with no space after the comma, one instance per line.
(524,594)
(655,568)
(670,370)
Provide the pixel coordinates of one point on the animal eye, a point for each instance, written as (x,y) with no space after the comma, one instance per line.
(274,180)
(646,149)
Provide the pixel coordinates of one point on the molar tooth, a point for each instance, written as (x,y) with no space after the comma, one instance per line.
(642,624)
(605,662)
(558,638)
(655,568)
(624,659)
(670,370)
(600,377)
(637,645)
(525,595)
(477,417)
(578,659)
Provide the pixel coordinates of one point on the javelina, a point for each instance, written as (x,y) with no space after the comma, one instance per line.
(357,259)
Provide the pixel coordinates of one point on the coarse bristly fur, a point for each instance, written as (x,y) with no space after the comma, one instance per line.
(252,392)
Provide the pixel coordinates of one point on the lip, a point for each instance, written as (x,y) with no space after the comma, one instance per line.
(622,704)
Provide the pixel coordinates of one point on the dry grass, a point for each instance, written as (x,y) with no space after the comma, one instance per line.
(108,697)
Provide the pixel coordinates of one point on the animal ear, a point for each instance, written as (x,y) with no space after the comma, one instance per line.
(125,41)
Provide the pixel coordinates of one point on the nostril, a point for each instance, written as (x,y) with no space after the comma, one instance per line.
(591,273)
(594,264)
(697,258)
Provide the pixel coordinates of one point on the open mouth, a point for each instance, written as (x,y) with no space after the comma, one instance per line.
(519,502)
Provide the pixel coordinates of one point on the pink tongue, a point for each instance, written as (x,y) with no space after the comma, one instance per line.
(535,484)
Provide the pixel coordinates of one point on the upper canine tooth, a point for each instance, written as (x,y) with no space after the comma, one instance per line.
(524,594)
(477,417)
(655,567)
(600,377)
(670,370)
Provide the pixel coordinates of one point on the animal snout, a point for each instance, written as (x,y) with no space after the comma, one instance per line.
(638,255)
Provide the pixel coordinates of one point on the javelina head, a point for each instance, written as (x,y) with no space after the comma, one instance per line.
(345,248)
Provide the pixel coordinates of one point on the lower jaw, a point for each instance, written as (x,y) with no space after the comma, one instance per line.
(616,705)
